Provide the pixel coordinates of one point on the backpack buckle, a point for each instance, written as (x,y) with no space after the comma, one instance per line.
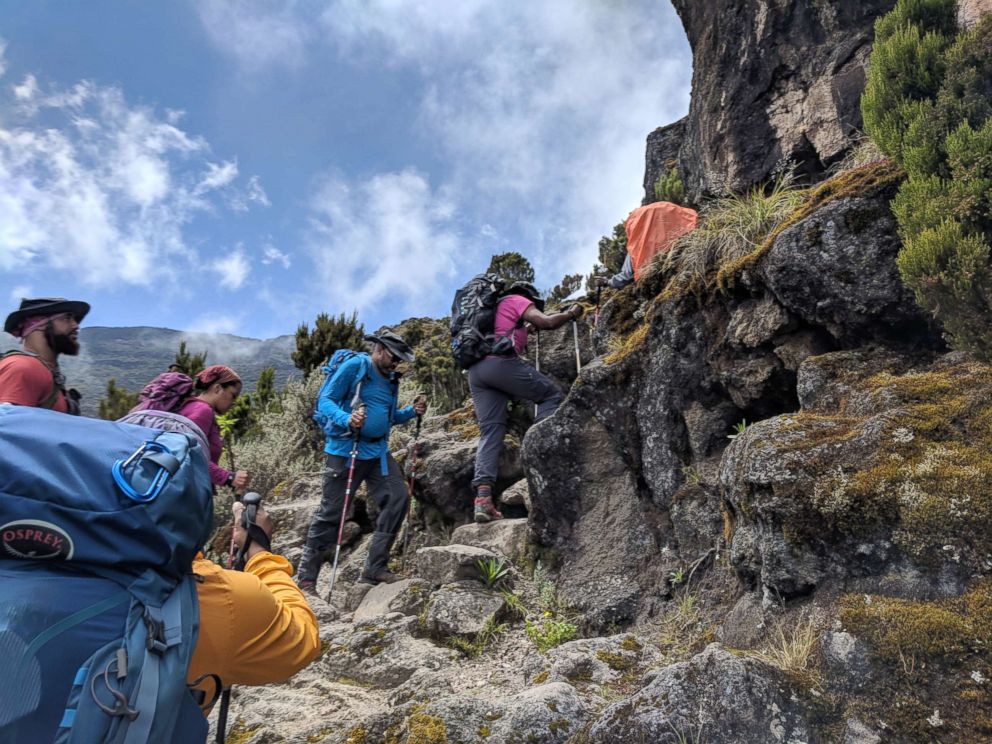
(156,634)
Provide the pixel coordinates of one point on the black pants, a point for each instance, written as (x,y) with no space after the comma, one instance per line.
(389,493)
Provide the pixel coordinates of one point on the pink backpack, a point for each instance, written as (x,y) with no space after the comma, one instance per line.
(167,392)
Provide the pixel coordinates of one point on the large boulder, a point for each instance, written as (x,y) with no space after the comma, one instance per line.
(444,564)
(715,697)
(383,652)
(508,537)
(836,270)
(462,608)
(772,83)
(601,660)
(878,482)
(544,714)
(589,507)
(406,597)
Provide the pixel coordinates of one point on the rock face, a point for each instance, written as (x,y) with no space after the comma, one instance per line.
(661,156)
(836,269)
(847,489)
(632,426)
(772,82)
(971,12)
(716,697)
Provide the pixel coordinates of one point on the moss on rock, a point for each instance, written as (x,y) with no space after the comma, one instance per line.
(936,655)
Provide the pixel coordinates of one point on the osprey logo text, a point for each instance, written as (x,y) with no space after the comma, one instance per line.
(35,540)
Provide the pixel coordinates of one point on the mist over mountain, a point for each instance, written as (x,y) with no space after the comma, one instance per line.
(132,356)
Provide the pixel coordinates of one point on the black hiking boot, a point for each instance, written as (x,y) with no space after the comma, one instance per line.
(375,570)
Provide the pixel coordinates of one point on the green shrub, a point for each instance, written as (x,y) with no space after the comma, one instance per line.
(927,104)
(669,187)
(287,446)
(549,632)
(118,401)
(314,347)
(511,267)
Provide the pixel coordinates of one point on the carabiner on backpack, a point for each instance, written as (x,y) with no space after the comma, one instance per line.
(158,454)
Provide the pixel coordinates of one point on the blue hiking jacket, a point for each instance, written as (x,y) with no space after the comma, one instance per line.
(379,395)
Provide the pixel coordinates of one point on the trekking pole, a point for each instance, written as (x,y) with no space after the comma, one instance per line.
(251,501)
(575,335)
(347,491)
(595,315)
(409,501)
(537,359)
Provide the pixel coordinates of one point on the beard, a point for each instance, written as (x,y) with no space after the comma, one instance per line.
(61,344)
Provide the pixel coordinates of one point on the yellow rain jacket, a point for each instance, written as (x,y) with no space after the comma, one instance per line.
(255,626)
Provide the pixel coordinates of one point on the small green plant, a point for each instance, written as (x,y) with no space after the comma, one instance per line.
(691,474)
(739,429)
(473,647)
(492,571)
(514,604)
(669,187)
(676,577)
(549,632)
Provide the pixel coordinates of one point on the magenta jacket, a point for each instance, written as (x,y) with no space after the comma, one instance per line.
(202,414)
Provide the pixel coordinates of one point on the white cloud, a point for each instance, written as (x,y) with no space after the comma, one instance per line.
(25,92)
(539,110)
(232,268)
(102,188)
(241,200)
(256,193)
(271,255)
(257,33)
(389,238)
(218,176)
(19,292)
(202,328)
(543,108)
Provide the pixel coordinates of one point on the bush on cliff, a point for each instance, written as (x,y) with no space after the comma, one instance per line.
(927,104)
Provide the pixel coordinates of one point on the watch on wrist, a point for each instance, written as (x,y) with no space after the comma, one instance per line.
(229,480)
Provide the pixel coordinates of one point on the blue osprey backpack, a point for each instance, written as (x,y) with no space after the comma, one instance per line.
(99,525)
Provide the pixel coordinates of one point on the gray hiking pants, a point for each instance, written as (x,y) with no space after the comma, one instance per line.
(494,382)
(388,491)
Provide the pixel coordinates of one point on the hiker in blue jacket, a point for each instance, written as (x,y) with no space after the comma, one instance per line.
(360,400)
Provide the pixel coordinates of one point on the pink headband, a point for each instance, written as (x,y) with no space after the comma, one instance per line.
(31,324)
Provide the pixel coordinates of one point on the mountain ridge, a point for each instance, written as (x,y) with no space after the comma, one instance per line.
(132,355)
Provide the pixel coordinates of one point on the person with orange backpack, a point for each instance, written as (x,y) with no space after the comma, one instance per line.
(30,376)
(650,230)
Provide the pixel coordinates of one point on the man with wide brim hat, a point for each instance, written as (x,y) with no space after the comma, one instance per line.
(359,404)
(30,376)
(393,343)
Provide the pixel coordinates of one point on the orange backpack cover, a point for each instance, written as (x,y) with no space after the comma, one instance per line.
(653,228)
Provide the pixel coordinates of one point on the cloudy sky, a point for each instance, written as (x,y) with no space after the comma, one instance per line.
(239,166)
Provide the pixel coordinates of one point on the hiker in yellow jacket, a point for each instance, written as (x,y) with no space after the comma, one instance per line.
(255,626)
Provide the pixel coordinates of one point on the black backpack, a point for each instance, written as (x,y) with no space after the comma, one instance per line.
(473,316)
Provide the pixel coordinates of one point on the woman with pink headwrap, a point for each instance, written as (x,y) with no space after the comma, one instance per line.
(215,390)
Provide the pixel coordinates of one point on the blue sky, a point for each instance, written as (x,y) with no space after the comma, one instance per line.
(239,166)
